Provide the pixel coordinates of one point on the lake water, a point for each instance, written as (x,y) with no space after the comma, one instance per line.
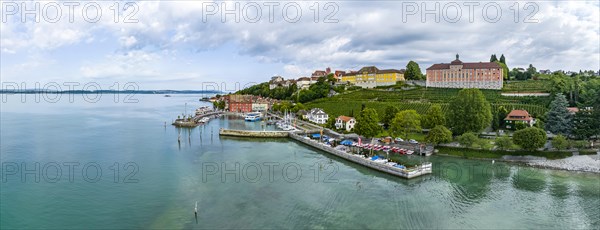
(116,165)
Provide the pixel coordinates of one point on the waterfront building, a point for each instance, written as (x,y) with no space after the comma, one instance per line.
(518,116)
(371,76)
(344,122)
(458,74)
(318,116)
(238,103)
(247,103)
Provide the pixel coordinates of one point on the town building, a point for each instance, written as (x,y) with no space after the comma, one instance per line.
(458,74)
(518,116)
(321,73)
(247,103)
(318,116)
(344,122)
(338,74)
(238,103)
(278,81)
(304,82)
(371,76)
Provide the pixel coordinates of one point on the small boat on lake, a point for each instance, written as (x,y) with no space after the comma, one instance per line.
(252,116)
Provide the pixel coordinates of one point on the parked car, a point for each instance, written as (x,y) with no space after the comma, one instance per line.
(398,139)
(412,141)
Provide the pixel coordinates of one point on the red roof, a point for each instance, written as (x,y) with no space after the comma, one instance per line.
(573,109)
(518,115)
(344,118)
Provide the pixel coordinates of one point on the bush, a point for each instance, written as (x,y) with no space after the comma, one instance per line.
(467,139)
(530,138)
(439,134)
(560,142)
(504,142)
(483,144)
(579,144)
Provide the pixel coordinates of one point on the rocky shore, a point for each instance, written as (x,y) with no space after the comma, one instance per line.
(584,163)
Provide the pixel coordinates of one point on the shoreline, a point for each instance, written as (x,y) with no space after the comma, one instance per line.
(580,163)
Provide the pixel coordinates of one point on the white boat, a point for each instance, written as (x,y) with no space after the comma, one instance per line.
(252,117)
(383,161)
(204,119)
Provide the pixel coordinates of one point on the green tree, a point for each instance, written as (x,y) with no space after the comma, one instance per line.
(483,144)
(586,124)
(503,142)
(530,138)
(504,70)
(469,112)
(498,116)
(520,125)
(413,71)
(389,114)
(502,59)
(558,118)
(298,106)
(467,139)
(439,134)
(433,117)
(330,122)
(493,58)
(367,123)
(531,70)
(560,142)
(495,120)
(405,122)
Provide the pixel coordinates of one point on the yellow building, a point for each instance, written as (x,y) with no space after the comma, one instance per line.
(370,77)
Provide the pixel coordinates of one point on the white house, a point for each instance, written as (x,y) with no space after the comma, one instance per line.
(275,82)
(343,122)
(304,82)
(318,116)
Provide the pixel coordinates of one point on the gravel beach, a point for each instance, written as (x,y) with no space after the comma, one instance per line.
(584,163)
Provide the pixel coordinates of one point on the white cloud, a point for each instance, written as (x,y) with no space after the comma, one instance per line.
(567,37)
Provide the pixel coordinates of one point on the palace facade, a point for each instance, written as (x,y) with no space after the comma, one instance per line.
(458,74)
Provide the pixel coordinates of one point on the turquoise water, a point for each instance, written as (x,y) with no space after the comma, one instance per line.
(278,183)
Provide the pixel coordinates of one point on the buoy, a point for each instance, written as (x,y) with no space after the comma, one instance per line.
(493,161)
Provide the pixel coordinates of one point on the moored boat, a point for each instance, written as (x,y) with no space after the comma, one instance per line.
(252,117)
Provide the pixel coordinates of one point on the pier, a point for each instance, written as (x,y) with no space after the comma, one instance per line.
(248,133)
(423,169)
(195,121)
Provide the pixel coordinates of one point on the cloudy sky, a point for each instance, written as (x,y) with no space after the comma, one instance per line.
(186,44)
